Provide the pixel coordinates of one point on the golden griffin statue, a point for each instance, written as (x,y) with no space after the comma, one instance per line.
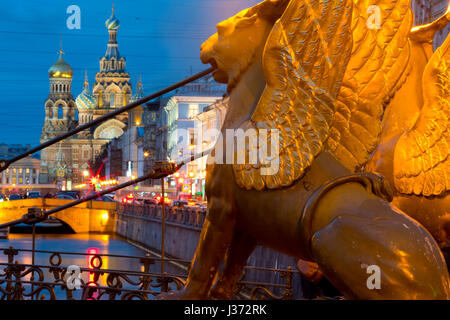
(362,114)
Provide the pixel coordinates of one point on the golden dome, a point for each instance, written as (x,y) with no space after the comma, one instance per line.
(60,69)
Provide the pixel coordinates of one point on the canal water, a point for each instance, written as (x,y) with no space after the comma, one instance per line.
(90,244)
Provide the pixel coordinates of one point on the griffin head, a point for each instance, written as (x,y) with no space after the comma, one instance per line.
(239,40)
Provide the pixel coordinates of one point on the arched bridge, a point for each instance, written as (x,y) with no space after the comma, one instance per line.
(90,216)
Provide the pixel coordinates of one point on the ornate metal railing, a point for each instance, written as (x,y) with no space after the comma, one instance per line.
(98,281)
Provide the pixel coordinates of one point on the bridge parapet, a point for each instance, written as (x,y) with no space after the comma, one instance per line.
(187,216)
(90,216)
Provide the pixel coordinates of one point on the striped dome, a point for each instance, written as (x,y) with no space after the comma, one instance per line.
(112,23)
(85,101)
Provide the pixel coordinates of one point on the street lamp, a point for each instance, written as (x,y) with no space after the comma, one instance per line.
(85,173)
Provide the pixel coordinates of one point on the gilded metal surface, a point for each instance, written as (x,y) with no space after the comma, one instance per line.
(422,154)
(413,149)
(263,54)
(328,76)
(304,61)
(377,64)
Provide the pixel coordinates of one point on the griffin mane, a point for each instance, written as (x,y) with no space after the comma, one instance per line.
(269,10)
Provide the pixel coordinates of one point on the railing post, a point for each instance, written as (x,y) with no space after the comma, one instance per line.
(11,252)
(163,225)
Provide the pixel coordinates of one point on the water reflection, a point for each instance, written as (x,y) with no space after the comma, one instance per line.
(89,244)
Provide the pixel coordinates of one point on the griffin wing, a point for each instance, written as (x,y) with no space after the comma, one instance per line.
(304,62)
(422,154)
(376,67)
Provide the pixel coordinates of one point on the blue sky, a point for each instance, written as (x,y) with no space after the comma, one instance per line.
(160,40)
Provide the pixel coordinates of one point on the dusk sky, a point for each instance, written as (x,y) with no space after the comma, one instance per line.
(159,39)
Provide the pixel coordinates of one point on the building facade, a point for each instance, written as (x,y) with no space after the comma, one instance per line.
(22,176)
(208,125)
(161,130)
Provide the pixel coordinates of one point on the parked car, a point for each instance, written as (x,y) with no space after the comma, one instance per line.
(180,203)
(129,198)
(64,196)
(150,201)
(201,205)
(111,195)
(15,197)
(106,198)
(33,194)
(3,197)
(72,193)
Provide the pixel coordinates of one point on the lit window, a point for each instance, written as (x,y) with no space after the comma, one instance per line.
(193,110)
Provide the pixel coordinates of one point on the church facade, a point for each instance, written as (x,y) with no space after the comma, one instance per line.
(67,163)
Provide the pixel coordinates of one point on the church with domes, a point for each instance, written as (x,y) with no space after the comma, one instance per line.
(66,163)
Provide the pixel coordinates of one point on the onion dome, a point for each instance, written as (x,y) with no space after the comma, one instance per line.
(85,101)
(60,69)
(112,23)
